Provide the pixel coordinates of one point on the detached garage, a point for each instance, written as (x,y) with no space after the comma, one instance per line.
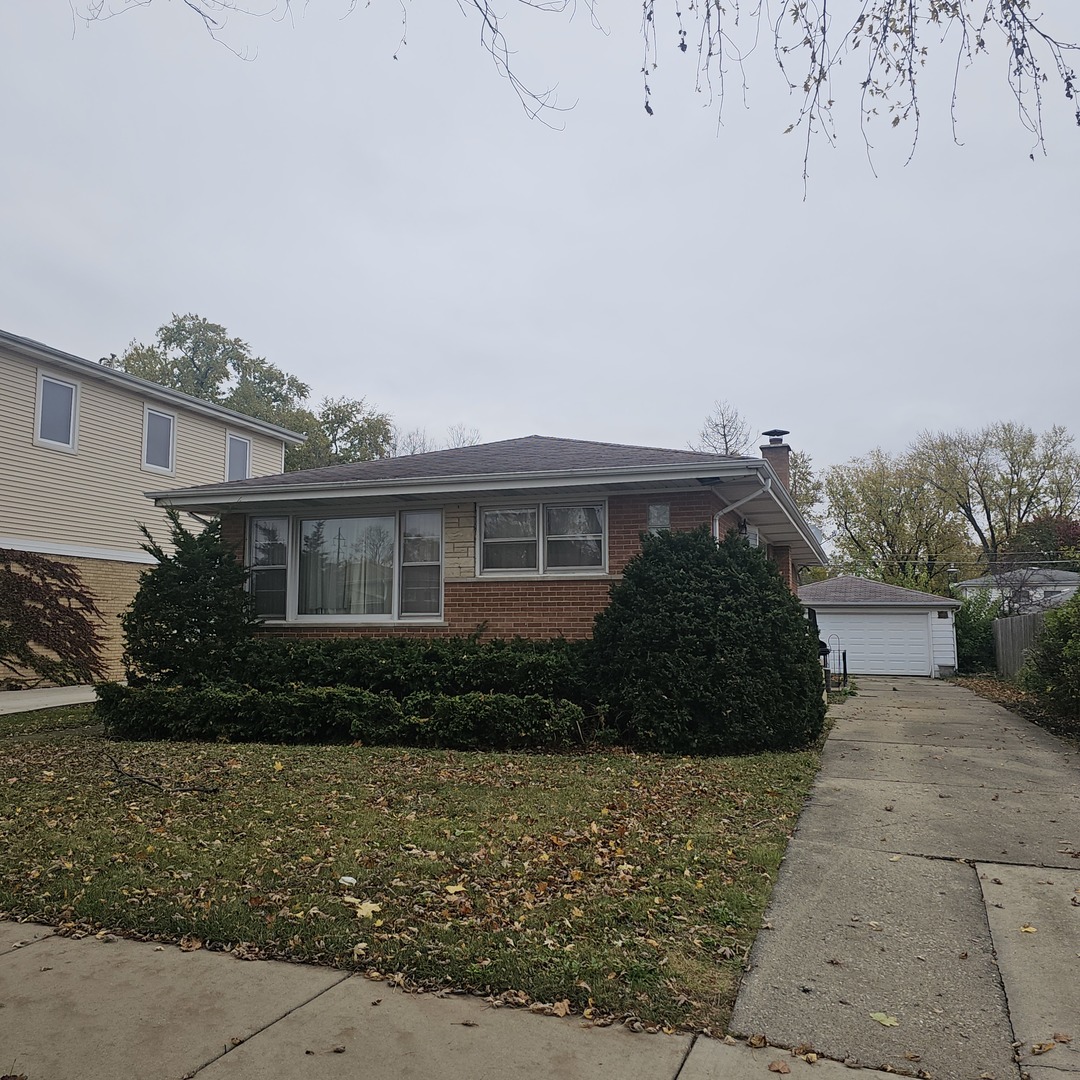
(885,630)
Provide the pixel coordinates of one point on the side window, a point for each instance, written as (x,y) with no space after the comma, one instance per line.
(57,409)
(658,518)
(159,440)
(237,457)
(268,563)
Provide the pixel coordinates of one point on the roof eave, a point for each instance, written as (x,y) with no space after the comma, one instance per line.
(37,352)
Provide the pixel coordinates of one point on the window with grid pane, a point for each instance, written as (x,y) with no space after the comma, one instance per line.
(421,562)
(574,537)
(509,539)
(267,560)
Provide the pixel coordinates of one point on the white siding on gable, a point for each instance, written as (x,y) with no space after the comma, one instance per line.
(95,497)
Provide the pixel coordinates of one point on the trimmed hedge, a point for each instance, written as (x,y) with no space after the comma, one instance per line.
(305,715)
(403,666)
(340,714)
(492,722)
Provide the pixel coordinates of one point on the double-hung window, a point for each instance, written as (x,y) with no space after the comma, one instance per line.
(159,440)
(376,567)
(544,538)
(237,457)
(268,563)
(57,413)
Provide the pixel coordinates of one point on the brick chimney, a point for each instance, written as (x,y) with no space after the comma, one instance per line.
(778,454)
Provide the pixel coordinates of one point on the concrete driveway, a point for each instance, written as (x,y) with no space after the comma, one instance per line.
(933,880)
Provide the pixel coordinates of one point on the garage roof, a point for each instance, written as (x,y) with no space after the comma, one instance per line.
(850,591)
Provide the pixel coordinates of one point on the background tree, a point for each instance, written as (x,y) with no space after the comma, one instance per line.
(890,525)
(198,357)
(1045,541)
(1000,477)
(888,43)
(724,431)
(49,623)
(418,441)
(807,488)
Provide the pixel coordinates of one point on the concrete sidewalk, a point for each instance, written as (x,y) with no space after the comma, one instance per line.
(934,879)
(939,828)
(108,1009)
(49,697)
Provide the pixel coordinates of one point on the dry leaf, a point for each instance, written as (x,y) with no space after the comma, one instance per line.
(561,1008)
(1026,929)
(895,858)
(455,888)
(190,944)
(779,1067)
(1043,1047)
(885,1020)
(1059,1037)
(278,766)
(756,1041)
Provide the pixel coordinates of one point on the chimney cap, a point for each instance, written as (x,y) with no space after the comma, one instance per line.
(776,435)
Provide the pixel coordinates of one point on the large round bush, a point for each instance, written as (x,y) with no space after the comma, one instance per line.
(704,649)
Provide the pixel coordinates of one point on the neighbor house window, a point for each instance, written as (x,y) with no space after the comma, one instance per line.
(541,538)
(268,563)
(56,413)
(237,458)
(159,435)
(658,518)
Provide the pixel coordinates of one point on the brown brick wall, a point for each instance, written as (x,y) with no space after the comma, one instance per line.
(537,607)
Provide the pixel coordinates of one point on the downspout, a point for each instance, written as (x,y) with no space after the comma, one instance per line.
(766,487)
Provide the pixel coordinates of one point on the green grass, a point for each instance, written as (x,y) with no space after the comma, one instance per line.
(623,883)
(71,716)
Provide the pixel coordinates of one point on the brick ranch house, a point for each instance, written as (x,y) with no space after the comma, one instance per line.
(519,537)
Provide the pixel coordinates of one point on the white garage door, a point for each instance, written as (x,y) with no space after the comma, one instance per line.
(880,644)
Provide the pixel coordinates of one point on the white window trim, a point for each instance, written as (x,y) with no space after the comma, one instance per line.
(399,557)
(229,436)
(146,465)
(71,447)
(542,569)
(292,572)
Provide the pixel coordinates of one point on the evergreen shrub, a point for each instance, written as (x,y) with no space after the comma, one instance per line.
(1052,671)
(705,650)
(975,634)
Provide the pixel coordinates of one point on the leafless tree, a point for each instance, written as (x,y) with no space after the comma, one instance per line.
(886,43)
(418,441)
(724,431)
(461,435)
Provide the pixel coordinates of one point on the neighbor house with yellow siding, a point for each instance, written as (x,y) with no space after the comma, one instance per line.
(81,444)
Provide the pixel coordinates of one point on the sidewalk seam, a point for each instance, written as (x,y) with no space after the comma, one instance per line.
(288,1012)
(682,1064)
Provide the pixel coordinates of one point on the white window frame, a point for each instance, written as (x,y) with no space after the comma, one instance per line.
(542,569)
(229,436)
(72,445)
(292,567)
(287,565)
(149,466)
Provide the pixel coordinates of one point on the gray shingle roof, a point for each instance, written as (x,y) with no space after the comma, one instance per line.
(855,590)
(532,454)
(1026,576)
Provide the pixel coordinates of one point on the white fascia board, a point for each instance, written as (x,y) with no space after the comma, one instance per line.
(879,609)
(76,551)
(494,482)
(42,354)
(779,495)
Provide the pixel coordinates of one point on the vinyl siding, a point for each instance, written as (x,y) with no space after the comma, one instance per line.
(943,632)
(96,496)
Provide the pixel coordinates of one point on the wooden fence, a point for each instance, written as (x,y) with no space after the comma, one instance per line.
(1012,638)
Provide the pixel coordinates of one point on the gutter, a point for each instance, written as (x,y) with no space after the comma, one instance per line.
(766,487)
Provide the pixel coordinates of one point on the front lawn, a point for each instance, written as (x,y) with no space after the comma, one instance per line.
(69,716)
(620,883)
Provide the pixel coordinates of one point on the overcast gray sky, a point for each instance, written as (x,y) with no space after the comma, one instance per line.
(398,229)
